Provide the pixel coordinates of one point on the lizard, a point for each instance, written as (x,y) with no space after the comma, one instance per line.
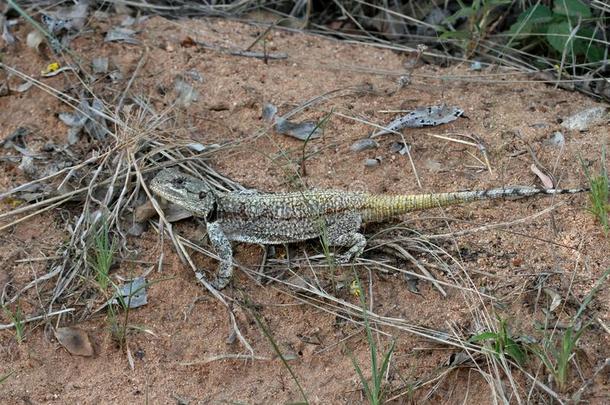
(288,217)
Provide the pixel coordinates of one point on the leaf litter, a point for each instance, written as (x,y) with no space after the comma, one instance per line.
(302,131)
(132,294)
(422,117)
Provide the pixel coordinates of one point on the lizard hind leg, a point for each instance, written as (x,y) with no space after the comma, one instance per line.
(222,246)
(342,231)
(354,240)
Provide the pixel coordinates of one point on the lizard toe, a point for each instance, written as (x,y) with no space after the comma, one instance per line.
(343,259)
(220,282)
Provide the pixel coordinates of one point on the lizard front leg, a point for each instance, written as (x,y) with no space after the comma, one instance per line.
(222,246)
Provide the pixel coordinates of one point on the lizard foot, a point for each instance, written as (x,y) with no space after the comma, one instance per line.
(220,282)
(355,241)
(343,259)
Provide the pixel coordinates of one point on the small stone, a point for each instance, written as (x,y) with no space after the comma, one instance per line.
(399,147)
(372,162)
(557,139)
(582,120)
(364,144)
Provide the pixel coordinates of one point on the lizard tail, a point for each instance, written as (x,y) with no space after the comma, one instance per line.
(378,207)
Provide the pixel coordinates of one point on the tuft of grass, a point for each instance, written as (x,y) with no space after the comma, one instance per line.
(103,251)
(17,319)
(557,359)
(502,343)
(374,390)
(481,16)
(599,195)
(120,328)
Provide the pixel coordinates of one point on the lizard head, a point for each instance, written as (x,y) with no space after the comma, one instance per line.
(185,191)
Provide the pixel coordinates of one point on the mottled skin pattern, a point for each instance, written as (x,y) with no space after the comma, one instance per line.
(279,218)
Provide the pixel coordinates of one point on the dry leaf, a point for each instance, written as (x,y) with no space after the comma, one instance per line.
(364,144)
(555,299)
(546,180)
(302,131)
(74,340)
(144,212)
(422,117)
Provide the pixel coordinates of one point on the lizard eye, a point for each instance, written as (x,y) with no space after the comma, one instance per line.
(202,195)
(178,181)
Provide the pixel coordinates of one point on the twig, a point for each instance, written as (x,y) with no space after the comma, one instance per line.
(37,318)
(224,357)
(421,268)
(495,226)
(143,57)
(238,52)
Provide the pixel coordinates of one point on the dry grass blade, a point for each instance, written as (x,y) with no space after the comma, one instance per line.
(219,357)
(39,317)
(501,225)
(421,268)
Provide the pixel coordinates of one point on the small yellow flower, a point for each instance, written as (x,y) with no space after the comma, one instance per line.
(355,289)
(52,67)
(13,202)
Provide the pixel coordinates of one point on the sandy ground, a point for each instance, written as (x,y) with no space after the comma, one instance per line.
(564,250)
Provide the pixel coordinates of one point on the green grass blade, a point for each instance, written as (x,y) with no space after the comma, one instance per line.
(277,351)
(363,380)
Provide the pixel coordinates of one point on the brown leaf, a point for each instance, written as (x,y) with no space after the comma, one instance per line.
(130,360)
(547,181)
(144,212)
(188,42)
(555,299)
(74,340)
